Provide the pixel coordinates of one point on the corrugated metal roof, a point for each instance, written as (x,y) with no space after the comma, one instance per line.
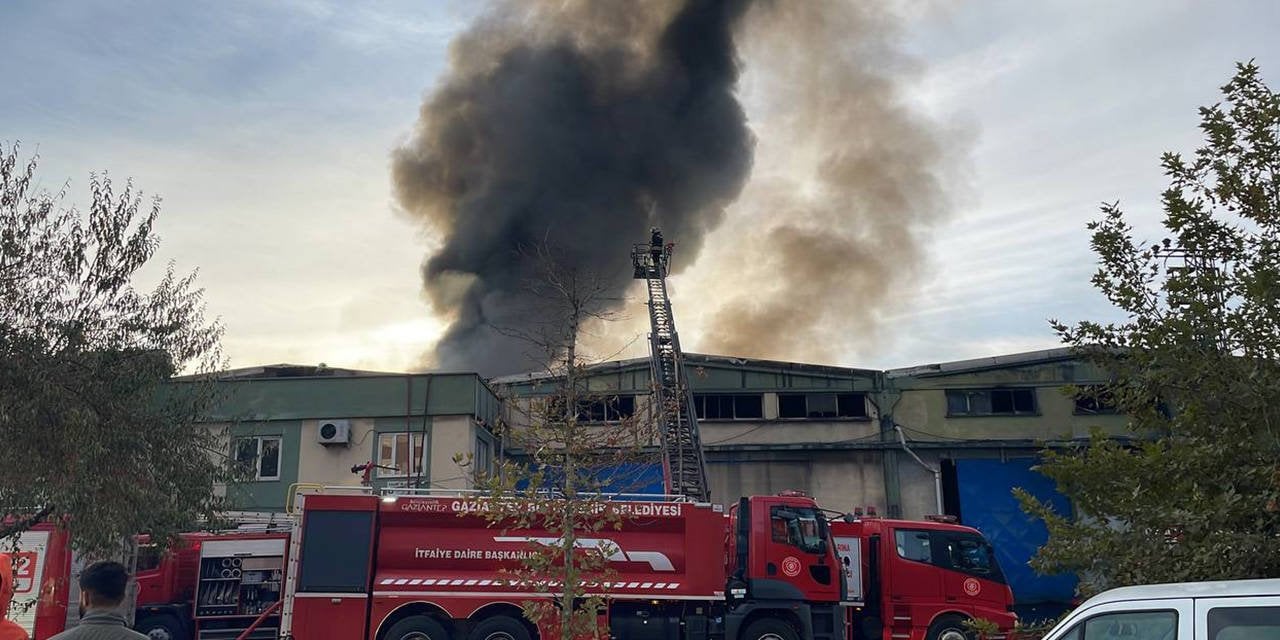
(981,364)
(699,359)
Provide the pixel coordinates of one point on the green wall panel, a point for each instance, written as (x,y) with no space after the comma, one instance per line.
(267,495)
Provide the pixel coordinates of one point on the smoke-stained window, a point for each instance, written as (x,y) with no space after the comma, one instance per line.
(1094,400)
(822,406)
(991,402)
(738,406)
(606,409)
(592,409)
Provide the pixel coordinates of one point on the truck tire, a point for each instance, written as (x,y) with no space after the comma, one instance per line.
(500,628)
(161,627)
(949,628)
(416,628)
(769,629)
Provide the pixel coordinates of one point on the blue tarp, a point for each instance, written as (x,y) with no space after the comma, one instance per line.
(631,478)
(987,504)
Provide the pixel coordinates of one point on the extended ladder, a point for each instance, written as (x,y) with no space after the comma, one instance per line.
(684,467)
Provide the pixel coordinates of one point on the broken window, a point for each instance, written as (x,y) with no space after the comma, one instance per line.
(792,405)
(852,405)
(606,409)
(1094,400)
(991,402)
(739,406)
(817,406)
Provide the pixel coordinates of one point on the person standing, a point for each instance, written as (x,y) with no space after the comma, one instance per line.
(102,591)
(9,630)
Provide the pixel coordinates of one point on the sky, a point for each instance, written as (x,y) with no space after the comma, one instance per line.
(267,128)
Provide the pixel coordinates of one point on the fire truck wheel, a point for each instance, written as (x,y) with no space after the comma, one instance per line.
(416,628)
(948,628)
(500,628)
(160,628)
(769,629)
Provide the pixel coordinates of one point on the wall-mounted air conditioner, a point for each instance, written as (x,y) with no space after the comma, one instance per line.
(333,432)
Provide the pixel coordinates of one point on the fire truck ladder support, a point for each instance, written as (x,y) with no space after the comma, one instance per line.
(684,466)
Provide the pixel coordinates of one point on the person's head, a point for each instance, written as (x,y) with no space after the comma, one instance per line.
(102,585)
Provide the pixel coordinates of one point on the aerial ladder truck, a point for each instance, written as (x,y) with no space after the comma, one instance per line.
(683,465)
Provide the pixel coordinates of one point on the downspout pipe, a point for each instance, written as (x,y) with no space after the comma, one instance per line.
(937,473)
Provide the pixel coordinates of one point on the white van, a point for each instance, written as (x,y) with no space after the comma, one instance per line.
(1234,610)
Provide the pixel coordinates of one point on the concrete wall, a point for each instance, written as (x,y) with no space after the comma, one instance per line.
(839,480)
(924,413)
(784,432)
(917,486)
(267,495)
(450,436)
(331,465)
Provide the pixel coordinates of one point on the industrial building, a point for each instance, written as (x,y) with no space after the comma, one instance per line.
(952,437)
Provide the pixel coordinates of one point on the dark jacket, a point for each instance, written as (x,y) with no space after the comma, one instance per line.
(100,624)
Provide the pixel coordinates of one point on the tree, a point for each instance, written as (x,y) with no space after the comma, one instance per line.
(565,463)
(1194,366)
(92,435)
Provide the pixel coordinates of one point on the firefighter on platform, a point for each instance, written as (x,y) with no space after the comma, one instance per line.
(9,630)
(655,245)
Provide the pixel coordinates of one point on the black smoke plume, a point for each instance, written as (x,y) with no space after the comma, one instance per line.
(574,127)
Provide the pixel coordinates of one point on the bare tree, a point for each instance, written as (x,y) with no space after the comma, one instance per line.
(572,447)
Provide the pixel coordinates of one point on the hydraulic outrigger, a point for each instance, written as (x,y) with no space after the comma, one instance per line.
(684,466)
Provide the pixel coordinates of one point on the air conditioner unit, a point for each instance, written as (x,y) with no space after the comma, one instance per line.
(333,432)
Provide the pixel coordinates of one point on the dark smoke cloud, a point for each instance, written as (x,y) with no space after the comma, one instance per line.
(578,124)
(838,231)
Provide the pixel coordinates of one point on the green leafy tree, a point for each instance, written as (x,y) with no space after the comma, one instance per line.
(565,461)
(92,436)
(1193,495)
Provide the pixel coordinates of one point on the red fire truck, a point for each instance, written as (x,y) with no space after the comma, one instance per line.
(919,580)
(183,593)
(415,566)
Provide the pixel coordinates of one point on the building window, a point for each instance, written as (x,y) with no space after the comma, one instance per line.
(397,458)
(259,456)
(1094,400)
(483,462)
(598,409)
(741,406)
(822,405)
(991,402)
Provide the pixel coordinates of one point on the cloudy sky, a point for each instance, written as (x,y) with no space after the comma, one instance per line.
(266,128)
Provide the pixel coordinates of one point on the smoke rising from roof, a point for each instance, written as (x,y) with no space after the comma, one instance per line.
(571,127)
(849,180)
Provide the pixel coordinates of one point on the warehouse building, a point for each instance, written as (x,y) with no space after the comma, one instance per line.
(951,438)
